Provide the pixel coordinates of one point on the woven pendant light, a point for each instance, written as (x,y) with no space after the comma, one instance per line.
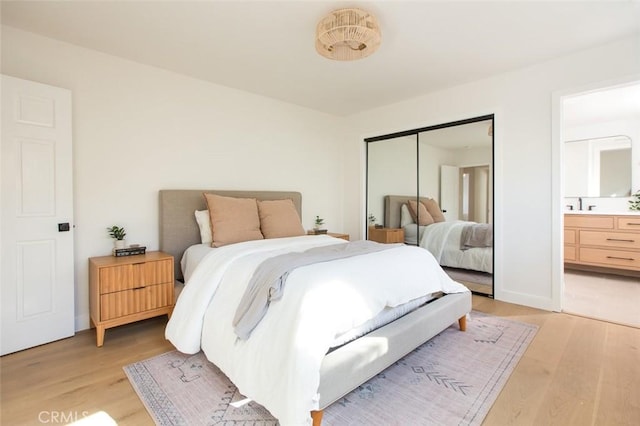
(347,34)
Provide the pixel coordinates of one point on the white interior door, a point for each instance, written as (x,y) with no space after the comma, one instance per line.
(36,271)
(450,192)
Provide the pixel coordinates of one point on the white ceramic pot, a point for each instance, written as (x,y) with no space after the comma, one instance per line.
(120,244)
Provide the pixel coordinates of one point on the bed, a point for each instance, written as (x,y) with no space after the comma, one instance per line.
(442,239)
(339,370)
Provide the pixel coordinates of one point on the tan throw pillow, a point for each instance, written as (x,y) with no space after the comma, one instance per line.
(419,213)
(434,210)
(279,218)
(233,220)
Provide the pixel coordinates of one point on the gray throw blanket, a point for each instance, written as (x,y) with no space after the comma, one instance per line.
(267,282)
(476,235)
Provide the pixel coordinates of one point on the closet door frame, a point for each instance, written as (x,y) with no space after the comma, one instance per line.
(416,132)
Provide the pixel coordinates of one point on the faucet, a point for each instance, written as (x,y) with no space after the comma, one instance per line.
(570,206)
(591,207)
(579,203)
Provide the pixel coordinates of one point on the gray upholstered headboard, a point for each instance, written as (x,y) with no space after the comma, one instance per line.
(392,206)
(178,227)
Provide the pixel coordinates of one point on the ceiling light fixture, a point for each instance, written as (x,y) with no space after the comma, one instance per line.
(347,34)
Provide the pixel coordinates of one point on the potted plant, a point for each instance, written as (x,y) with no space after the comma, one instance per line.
(118,233)
(635,204)
(318,223)
(372,220)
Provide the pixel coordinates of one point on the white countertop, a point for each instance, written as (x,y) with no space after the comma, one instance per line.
(603,212)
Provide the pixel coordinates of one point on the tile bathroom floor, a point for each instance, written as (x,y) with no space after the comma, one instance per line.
(605,297)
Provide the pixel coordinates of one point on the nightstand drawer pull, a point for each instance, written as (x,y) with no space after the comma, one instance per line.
(139,263)
(621,258)
(138,288)
(633,223)
(621,239)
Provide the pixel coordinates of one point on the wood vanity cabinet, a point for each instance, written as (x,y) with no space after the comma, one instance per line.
(602,241)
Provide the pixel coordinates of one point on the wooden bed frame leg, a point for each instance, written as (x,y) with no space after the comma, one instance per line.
(316,417)
(462,322)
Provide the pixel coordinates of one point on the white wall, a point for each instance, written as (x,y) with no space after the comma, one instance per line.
(522,103)
(138,129)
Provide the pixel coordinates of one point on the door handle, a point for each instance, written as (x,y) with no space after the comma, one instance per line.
(63,227)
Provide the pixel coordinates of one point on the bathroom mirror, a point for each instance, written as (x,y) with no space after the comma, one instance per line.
(599,167)
(450,164)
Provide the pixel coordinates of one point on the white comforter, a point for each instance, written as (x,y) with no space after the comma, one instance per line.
(278,366)
(442,239)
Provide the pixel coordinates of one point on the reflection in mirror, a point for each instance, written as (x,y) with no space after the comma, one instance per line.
(391,169)
(448,170)
(599,167)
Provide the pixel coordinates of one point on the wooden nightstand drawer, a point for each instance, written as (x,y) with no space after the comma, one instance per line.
(128,302)
(134,275)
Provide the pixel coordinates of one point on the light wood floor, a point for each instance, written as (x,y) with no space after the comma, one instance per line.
(577,371)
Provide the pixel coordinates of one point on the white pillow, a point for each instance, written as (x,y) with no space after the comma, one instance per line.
(202,217)
(405,216)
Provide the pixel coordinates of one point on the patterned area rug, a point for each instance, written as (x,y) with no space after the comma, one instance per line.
(453,379)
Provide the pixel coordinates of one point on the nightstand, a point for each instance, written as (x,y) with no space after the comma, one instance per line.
(338,235)
(128,289)
(331,234)
(386,235)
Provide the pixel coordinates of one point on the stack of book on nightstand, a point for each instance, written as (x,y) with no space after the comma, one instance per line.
(129,251)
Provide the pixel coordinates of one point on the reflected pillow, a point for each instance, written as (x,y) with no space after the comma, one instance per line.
(204,223)
(434,210)
(419,213)
(279,218)
(405,216)
(233,220)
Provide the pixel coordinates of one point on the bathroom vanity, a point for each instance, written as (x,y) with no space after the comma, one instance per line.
(603,242)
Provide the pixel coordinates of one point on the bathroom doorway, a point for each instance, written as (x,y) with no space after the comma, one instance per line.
(602,115)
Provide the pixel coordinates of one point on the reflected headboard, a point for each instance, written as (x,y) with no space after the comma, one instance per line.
(393,205)
(178,227)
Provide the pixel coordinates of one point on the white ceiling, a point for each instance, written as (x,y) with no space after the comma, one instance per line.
(267,47)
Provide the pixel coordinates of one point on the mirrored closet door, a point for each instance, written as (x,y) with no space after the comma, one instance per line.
(433,187)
